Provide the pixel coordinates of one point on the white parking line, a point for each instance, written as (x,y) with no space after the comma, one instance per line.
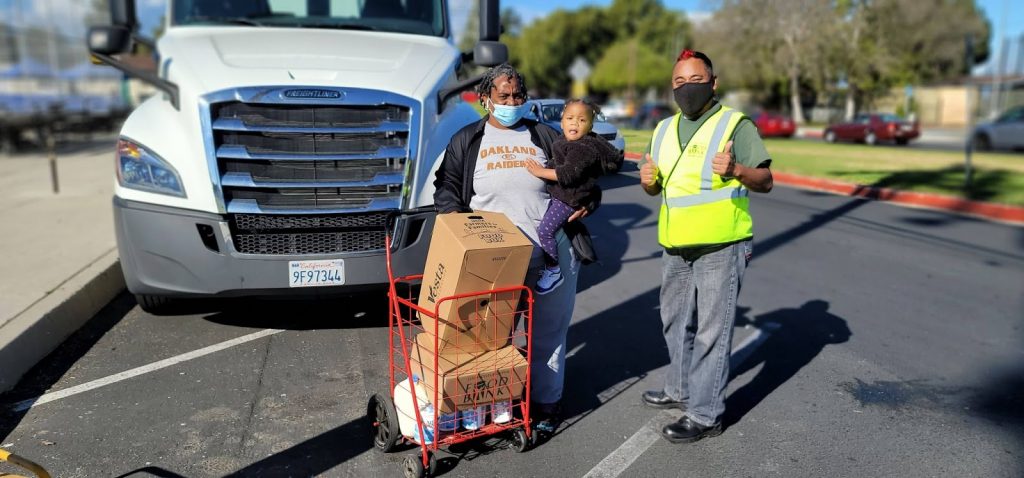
(135,372)
(614,464)
(617,461)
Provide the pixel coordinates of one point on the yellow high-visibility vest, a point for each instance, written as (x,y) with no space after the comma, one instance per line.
(699,207)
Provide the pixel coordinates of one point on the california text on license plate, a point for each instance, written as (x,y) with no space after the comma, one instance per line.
(316,273)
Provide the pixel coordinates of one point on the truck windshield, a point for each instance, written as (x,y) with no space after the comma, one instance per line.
(420,17)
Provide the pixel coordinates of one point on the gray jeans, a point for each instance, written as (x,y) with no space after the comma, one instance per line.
(698,308)
(552,313)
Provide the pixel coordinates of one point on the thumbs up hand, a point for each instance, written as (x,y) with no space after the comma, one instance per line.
(648,172)
(724,163)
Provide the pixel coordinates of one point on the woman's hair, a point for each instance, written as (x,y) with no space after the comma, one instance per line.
(590,105)
(504,69)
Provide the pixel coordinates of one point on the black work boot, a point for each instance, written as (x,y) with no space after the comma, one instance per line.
(687,431)
(659,399)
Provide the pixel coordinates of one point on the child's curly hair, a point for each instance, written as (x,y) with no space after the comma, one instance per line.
(590,105)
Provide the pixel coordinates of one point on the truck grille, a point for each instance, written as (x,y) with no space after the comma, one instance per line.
(307,234)
(308,178)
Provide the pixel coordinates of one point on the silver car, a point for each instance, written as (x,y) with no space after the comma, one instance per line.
(1006,132)
(549,112)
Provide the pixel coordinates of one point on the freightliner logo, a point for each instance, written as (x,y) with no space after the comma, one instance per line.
(313,93)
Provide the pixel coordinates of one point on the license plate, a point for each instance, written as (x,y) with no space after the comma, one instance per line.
(316,273)
(908,128)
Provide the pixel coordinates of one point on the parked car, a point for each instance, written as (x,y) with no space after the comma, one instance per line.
(1006,132)
(651,113)
(774,125)
(873,128)
(615,110)
(549,112)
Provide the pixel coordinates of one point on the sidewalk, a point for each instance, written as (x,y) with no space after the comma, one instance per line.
(59,264)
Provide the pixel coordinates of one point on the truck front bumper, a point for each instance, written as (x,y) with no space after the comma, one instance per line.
(163,252)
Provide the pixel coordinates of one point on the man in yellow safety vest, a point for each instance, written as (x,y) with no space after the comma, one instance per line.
(702,162)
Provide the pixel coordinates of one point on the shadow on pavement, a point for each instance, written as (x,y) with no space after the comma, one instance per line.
(366,310)
(48,371)
(610,352)
(315,455)
(798,337)
(609,227)
(152,471)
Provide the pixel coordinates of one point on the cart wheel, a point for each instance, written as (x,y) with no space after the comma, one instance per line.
(432,467)
(386,433)
(520,442)
(412,467)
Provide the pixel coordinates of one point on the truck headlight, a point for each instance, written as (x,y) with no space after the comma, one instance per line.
(138,168)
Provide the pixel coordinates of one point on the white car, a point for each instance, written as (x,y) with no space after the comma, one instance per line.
(549,112)
(1006,132)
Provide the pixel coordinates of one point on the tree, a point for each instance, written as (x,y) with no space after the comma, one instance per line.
(644,67)
(861,48)
(549,45)
(544,49)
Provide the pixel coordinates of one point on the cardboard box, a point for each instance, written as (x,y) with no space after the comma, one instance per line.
(473,252)
(469,380)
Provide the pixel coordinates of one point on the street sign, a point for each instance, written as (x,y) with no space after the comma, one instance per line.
(580,69)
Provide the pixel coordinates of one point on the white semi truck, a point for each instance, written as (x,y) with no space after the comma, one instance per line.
(288,137)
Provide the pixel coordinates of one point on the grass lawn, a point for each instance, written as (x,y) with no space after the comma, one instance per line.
(997,177)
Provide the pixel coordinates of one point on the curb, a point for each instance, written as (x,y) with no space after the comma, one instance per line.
(33,334)
(998,212)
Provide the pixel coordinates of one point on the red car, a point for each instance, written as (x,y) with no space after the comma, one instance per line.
(772,125)
(873,128)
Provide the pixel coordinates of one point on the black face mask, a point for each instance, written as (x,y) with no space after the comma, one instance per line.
(692,97)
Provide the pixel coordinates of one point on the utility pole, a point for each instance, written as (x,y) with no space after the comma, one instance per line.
(998,63)
(969,146)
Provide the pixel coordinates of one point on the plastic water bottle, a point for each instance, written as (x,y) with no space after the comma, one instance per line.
(407,413)
(427,414)
(448,422)
(501,412)
(473,418)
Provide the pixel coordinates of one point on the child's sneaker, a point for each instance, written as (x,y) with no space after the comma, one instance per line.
(550,279)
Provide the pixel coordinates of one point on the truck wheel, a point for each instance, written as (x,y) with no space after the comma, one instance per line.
(155,304)
(902,141)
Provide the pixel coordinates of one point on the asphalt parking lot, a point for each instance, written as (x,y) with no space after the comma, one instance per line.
(872,340)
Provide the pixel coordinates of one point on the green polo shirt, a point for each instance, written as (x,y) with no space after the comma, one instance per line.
(746,142)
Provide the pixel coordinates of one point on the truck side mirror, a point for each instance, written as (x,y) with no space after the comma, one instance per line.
(490,20)
(109,40)
(122,14)
(109,45)
(490,53)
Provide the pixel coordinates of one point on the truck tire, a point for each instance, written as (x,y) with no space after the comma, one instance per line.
(155,304)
